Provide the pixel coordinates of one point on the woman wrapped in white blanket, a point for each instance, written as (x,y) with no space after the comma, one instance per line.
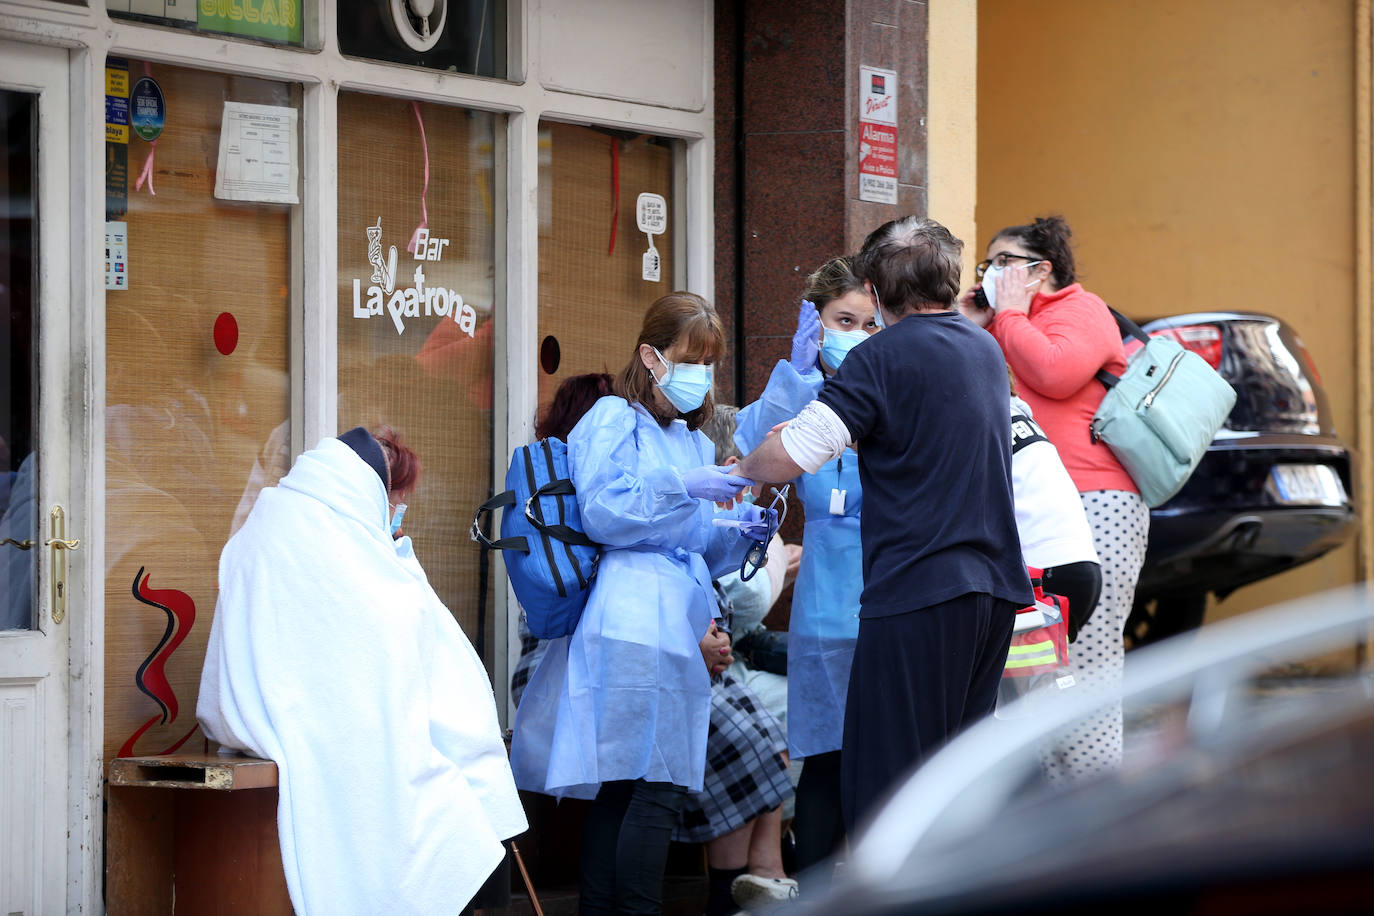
(331,655)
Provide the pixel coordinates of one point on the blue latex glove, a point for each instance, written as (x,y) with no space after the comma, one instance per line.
(714,483)
(756,522)
(806,343)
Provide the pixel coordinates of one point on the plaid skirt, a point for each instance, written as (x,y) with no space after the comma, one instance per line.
(531,654)
(745,775)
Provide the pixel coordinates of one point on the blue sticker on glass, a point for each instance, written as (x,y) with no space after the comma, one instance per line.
(116,110)
(147,110)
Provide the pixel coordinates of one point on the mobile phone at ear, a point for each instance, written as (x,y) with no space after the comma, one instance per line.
(980,299)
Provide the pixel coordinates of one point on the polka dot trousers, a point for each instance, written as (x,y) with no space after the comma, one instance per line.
(1120,524)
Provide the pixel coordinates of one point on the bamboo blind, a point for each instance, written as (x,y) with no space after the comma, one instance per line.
(592,299)
(185,423)
(430,380)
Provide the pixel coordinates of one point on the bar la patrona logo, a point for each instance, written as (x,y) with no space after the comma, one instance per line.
(419,300)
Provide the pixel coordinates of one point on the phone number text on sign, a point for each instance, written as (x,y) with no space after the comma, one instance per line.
(878,135)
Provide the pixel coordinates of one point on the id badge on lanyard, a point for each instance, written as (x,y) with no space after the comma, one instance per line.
(837,501)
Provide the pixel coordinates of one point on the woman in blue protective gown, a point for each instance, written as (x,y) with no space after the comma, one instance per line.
(836,315)
(618,712)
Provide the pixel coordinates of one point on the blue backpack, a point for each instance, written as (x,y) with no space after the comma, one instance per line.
(549,558)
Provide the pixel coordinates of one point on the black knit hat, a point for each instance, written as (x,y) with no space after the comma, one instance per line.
(368,449)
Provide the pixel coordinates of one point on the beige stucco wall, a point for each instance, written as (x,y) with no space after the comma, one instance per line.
(1204,154)
(952,131)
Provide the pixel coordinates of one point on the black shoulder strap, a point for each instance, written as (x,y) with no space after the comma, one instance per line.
(1128,328)
(1024,431)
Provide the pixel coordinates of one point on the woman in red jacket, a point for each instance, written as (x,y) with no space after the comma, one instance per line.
(1056,336)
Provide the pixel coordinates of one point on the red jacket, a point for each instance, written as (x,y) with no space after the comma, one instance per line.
(1055,352)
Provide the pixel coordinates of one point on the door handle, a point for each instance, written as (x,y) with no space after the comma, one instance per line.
(11,542)
(57,541)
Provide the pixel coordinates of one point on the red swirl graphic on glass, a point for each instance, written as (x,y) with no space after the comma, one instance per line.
(152,674)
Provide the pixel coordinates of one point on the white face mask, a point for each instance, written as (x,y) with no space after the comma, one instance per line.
(990,282)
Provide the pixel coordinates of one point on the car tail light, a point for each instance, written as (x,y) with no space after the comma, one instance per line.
(1202,339)
(1311,366)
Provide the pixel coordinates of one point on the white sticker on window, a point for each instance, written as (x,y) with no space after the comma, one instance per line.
(117,255)
(651,215)
(385,297)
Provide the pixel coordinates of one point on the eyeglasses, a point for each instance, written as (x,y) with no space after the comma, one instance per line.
(1002,260)
(757,556)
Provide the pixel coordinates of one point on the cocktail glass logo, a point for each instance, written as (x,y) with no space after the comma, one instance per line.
(383,296)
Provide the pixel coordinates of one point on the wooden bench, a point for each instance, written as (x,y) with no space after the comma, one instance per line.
(193,834)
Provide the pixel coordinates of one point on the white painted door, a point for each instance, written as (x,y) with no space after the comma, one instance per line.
(37,377)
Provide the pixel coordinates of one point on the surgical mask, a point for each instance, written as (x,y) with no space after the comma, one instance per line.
(838,343)
(396,515)
(990,282)
(877,309)
(684,384)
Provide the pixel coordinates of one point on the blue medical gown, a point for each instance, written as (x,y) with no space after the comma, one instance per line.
(825,600)
(627,695)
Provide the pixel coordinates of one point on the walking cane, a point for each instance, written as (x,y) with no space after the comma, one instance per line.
(525,875)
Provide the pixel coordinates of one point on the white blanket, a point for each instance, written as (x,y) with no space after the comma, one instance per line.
(331,655)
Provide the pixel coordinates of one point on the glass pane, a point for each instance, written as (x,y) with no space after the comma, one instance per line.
(18,337)
(416,290)
(198,393)
(276,21)
(463,36)
(592,291)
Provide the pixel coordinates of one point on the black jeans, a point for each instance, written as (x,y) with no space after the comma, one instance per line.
(1078,583)
(818,826)
(625,847)
(918,679)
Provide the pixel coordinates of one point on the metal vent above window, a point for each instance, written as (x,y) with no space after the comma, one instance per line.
(462,36)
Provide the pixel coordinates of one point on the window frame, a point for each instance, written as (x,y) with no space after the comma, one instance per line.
(91,35)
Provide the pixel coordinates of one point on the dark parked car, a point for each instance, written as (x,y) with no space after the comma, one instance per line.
(1273,490)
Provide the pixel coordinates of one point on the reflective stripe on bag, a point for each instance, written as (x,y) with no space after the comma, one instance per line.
(1032,654)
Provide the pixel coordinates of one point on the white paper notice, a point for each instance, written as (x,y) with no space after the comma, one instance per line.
(117,255)
(651,268)
(878,135)
(258,157)
(651,215)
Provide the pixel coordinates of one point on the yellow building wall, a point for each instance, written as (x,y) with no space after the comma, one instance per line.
(1204,153)
(952,131)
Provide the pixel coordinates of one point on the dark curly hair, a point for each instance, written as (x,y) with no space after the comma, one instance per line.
(574,397)
(1048,238)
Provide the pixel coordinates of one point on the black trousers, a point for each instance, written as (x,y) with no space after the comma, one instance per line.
(918,679)
(625,847)
(818,825)
(1081,585)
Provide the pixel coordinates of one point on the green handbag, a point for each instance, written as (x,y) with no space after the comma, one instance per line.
(1160,415)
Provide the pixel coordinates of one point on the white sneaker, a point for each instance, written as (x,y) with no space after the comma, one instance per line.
(755,893)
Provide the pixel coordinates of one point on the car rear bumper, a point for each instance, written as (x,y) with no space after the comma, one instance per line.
(1227,527)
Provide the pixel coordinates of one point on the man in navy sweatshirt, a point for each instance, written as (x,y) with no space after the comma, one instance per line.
(924,403)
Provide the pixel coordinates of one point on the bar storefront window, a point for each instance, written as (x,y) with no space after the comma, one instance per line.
(416,244)
(198,308)
(594,282)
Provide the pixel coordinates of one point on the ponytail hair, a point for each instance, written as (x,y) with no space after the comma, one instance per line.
(1048,238)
